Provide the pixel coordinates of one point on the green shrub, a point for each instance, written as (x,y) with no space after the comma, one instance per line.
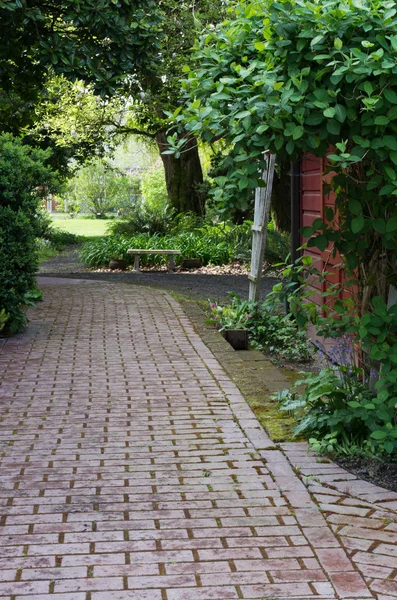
(213,244)
(143,218)
(23,175)
(268,328)
(154,188)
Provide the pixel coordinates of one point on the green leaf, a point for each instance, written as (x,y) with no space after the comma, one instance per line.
(340,112)
(297,132)
(316,40)
(290,147)
(379,435)
(307,231)
(329,112)
(381,120)
(390,95)
(386,189)
(355,207)
(390,141)
(321,242)
(354,404)
(391,224)
(368,89)
(390,173)
(338,44)
(357,224)
(379,225)
(262,129)
(333,127)
(259,46)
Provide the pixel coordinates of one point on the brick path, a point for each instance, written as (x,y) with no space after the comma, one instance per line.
(132,468)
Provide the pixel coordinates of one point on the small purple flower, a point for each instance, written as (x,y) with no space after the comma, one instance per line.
(213,305)
(248,316)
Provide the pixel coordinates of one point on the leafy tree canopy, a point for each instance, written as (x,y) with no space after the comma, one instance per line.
(289,77)
(98,187)
(74,122)
(98,41)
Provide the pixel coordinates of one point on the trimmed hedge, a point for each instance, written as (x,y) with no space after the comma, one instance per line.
(23,175)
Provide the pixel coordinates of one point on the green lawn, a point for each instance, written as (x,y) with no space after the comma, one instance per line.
(79,226)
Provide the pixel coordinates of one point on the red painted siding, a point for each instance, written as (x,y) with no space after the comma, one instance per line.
(313,201)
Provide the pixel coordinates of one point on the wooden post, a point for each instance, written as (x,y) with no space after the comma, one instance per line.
(259,229)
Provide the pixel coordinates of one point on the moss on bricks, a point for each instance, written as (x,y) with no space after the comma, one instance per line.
(255,376)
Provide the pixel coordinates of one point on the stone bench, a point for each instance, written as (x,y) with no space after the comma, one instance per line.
(138,252)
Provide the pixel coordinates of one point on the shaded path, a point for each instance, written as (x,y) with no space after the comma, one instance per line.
(132,467)
(192,285)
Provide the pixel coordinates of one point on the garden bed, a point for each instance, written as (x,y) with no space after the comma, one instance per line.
(375,471)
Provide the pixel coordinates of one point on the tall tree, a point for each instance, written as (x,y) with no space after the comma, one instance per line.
(157,96)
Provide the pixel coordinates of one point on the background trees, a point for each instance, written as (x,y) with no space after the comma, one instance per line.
(100,42)
(98,188)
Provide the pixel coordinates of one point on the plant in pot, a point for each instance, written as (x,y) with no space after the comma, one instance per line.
(118,262)
(232,324)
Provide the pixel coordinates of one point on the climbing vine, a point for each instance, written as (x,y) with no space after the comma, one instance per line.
(292,77)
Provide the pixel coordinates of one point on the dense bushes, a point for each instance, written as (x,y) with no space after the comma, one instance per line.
(23,175)
(217,245)
(269,328)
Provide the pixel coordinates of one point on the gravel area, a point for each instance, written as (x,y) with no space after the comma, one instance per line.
(196,286)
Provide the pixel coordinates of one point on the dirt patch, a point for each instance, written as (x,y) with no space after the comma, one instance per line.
(374,471)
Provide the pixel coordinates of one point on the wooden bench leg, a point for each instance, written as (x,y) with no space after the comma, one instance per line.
(136,263)
(171,264)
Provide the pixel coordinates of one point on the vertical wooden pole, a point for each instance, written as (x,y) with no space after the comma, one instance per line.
(263,197)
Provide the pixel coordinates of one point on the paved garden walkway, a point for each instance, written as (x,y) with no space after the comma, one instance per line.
(132,468)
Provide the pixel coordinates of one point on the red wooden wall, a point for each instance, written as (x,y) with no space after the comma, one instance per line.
(313,200)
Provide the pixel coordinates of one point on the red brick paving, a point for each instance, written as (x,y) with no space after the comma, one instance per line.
(133,469)
(362,515)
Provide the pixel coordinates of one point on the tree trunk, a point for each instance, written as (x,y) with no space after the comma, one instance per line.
(183,177)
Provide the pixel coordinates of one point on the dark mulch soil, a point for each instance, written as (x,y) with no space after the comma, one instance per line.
(379,473)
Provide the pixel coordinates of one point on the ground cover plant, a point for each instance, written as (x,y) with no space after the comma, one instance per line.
(269,328)
(213,244)
(49,239)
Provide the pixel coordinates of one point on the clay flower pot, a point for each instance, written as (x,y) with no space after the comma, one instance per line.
(117,263)
(191,263)
(237,338)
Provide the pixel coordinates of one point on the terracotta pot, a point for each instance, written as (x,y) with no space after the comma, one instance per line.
(118,263)
(191,263)
(237,338)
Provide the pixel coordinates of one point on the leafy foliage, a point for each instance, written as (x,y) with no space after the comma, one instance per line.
(143,218)
(215,244)
(269,328)
(339,408)
(293,77)
(96,41)
(98,188)
(24,174)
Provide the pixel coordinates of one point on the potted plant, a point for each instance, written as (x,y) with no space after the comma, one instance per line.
(118,262)
(232,324)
